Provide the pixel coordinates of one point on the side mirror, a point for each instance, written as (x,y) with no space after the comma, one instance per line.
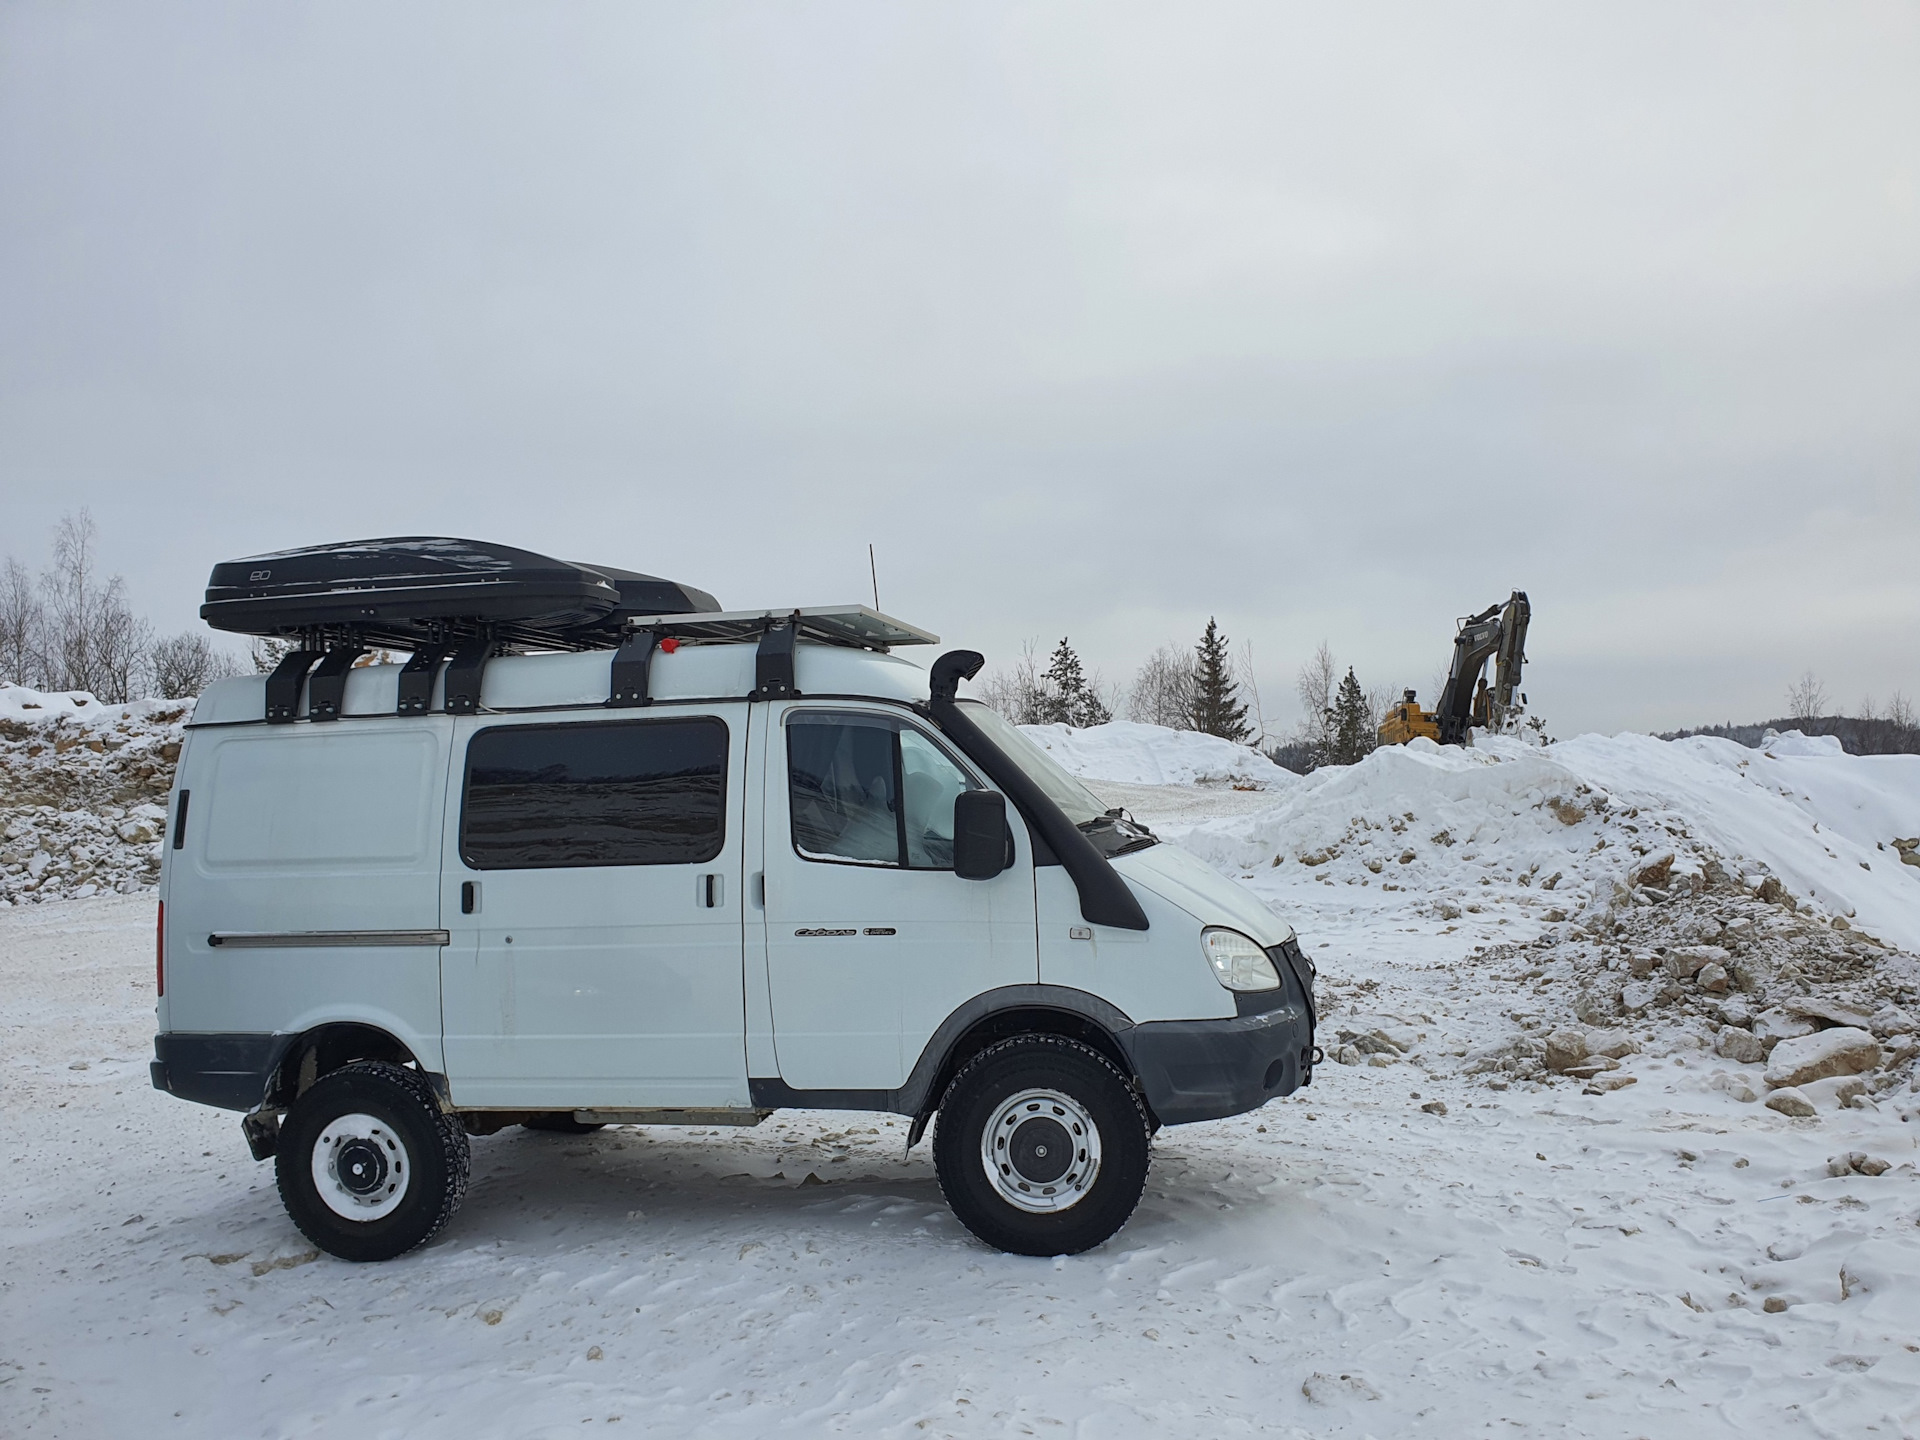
(979,834)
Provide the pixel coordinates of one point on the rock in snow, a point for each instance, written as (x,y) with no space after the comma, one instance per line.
(1566,1049)
(1791,1102)
(1841,1051)
(1733,1043)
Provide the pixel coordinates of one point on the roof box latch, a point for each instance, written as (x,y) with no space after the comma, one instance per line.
(773,665)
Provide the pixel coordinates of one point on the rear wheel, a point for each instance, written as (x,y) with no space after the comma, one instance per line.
(1041,1146)
(368,1165)
(561,1122)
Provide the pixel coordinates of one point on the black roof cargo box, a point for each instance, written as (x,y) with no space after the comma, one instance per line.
(415,590)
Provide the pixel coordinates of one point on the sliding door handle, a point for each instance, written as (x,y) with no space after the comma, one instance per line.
(711,893)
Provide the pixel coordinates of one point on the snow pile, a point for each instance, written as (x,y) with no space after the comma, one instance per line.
(83,789)
(1660,892)
(1154,755)
(1572,829)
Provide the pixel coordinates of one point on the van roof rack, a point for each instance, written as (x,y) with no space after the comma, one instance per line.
(778,631)
(850,625)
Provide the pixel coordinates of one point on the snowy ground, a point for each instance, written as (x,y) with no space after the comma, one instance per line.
(1535,1261)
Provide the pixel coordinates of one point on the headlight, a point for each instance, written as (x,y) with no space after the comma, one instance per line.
(1237,962)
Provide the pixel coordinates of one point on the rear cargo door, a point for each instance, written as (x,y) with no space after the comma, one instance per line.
(592,888)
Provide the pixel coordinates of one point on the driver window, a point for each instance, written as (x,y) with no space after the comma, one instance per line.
(866,790)
(841,788)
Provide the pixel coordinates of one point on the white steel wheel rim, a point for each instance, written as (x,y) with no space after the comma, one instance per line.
(361,1168)
(1021,1151)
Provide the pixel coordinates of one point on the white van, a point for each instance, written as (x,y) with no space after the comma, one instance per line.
(744,862)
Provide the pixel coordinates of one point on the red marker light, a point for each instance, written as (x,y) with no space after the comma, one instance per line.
(160,950)
(669,645)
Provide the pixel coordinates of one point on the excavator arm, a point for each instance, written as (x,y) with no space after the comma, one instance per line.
(1500,632)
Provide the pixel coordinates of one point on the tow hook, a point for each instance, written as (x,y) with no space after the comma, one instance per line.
(262,1129)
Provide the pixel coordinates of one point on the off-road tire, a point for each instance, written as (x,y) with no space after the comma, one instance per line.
(431,1144)
(560,1123)
(1088,1082)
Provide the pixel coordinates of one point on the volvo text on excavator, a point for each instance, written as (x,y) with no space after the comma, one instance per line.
(1499,632)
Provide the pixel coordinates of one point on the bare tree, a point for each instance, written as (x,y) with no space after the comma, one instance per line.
(264,654)
(1806,698)
(1018,691)
(1249,685)
(183,665)
(1900,711)
(1163,691)
(1315,685)
(94,642)
(22,627)
(1382,698)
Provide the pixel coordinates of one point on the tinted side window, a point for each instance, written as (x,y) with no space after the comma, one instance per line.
(649,792)
(843,788)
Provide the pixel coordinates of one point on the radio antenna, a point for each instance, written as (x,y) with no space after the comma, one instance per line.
(874,571)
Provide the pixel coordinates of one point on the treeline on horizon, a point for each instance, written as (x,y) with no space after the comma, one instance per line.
(69,627)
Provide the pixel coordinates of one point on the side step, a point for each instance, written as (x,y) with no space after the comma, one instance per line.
(671,1117)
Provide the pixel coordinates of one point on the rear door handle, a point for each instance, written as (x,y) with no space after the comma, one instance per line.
(712,892)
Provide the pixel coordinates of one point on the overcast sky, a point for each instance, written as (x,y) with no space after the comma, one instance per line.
(1335,321)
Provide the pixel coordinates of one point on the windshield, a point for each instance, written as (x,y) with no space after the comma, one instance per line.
(1065,791)
(1111,832)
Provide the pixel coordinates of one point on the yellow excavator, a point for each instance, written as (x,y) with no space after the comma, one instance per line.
(1499,633)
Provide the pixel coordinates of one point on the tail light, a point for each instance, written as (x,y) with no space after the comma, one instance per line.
(160,951)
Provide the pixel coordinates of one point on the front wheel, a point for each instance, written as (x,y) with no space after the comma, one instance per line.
(368,1165)
(1041,1146)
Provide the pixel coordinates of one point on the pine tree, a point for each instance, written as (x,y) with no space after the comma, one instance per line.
(1067,698)
(1350,731)
(1216,707)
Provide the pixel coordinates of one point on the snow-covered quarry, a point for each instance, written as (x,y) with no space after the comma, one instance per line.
(1617,1137)
(83,788)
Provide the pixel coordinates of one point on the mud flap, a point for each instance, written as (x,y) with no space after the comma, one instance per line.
(262,1129)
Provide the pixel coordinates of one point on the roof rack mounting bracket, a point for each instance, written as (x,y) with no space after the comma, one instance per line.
(632,669)
(773,664)
(327,685)
(286,682)
(464,675)
(416,680)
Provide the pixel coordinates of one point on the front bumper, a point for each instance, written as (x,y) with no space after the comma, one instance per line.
(1208,1069)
